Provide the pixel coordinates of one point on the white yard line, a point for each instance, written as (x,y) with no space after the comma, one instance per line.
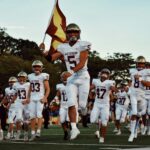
(75,144)
(87,134)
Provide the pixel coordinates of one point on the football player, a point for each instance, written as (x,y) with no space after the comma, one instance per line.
(75,53)
(10,96)
(146,82)
(39,92)
(122,104)
(101,107)
(138,105)
(63,112)
(22,111)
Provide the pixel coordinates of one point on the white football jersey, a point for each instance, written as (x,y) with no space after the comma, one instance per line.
(122,98)
(37,85)
(10,93)
(72,53)
(22,91)
(139,88)
(102,90)
(62,89)
(147,89)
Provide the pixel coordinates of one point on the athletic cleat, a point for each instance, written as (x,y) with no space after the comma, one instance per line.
(115,130)
(131,138)
(119,132)
(7,137)
(32,138)
(38,134)
(97,134)
(74,133)
(17,136)
(26,138)
(101,140)
(148,132)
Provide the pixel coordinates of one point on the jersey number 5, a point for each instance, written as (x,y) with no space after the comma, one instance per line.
(72,61)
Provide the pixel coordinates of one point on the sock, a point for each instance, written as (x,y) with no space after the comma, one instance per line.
(133,124)
(38,131)
(73,125)
(8,134)
(32,132)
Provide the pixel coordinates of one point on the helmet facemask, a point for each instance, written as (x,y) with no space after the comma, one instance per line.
(140,66)
(140,62)
(73,33)
(124,85)
(73,36)
(22,79)
(37,69)
(104,76)
(62,78)
(11,81)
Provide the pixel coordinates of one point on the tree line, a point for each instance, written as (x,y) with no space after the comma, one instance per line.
(18,54)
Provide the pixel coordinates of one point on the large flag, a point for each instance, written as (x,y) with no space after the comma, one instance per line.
(56,28)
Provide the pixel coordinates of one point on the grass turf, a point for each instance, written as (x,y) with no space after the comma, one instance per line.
(52,139)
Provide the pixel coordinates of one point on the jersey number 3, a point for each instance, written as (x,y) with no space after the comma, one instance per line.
(35,87)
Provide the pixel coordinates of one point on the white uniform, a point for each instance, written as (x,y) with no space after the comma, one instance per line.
(63,112)
(37,94)
(10,93)
(133,101)
(147,92)
(79,82)
(122,104)
(101,105)
(139,90)
(22,111)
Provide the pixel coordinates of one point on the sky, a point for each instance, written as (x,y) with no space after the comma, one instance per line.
(110,25)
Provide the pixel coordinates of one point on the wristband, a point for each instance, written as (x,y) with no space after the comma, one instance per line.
(71,72)
(56,98)
(140,79)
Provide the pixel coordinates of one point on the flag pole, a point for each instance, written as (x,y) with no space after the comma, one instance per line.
(50,20)
(44,38)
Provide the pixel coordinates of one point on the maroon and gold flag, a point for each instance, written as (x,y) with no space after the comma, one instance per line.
(56,28)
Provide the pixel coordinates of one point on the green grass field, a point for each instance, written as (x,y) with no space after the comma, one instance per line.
(52,139)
